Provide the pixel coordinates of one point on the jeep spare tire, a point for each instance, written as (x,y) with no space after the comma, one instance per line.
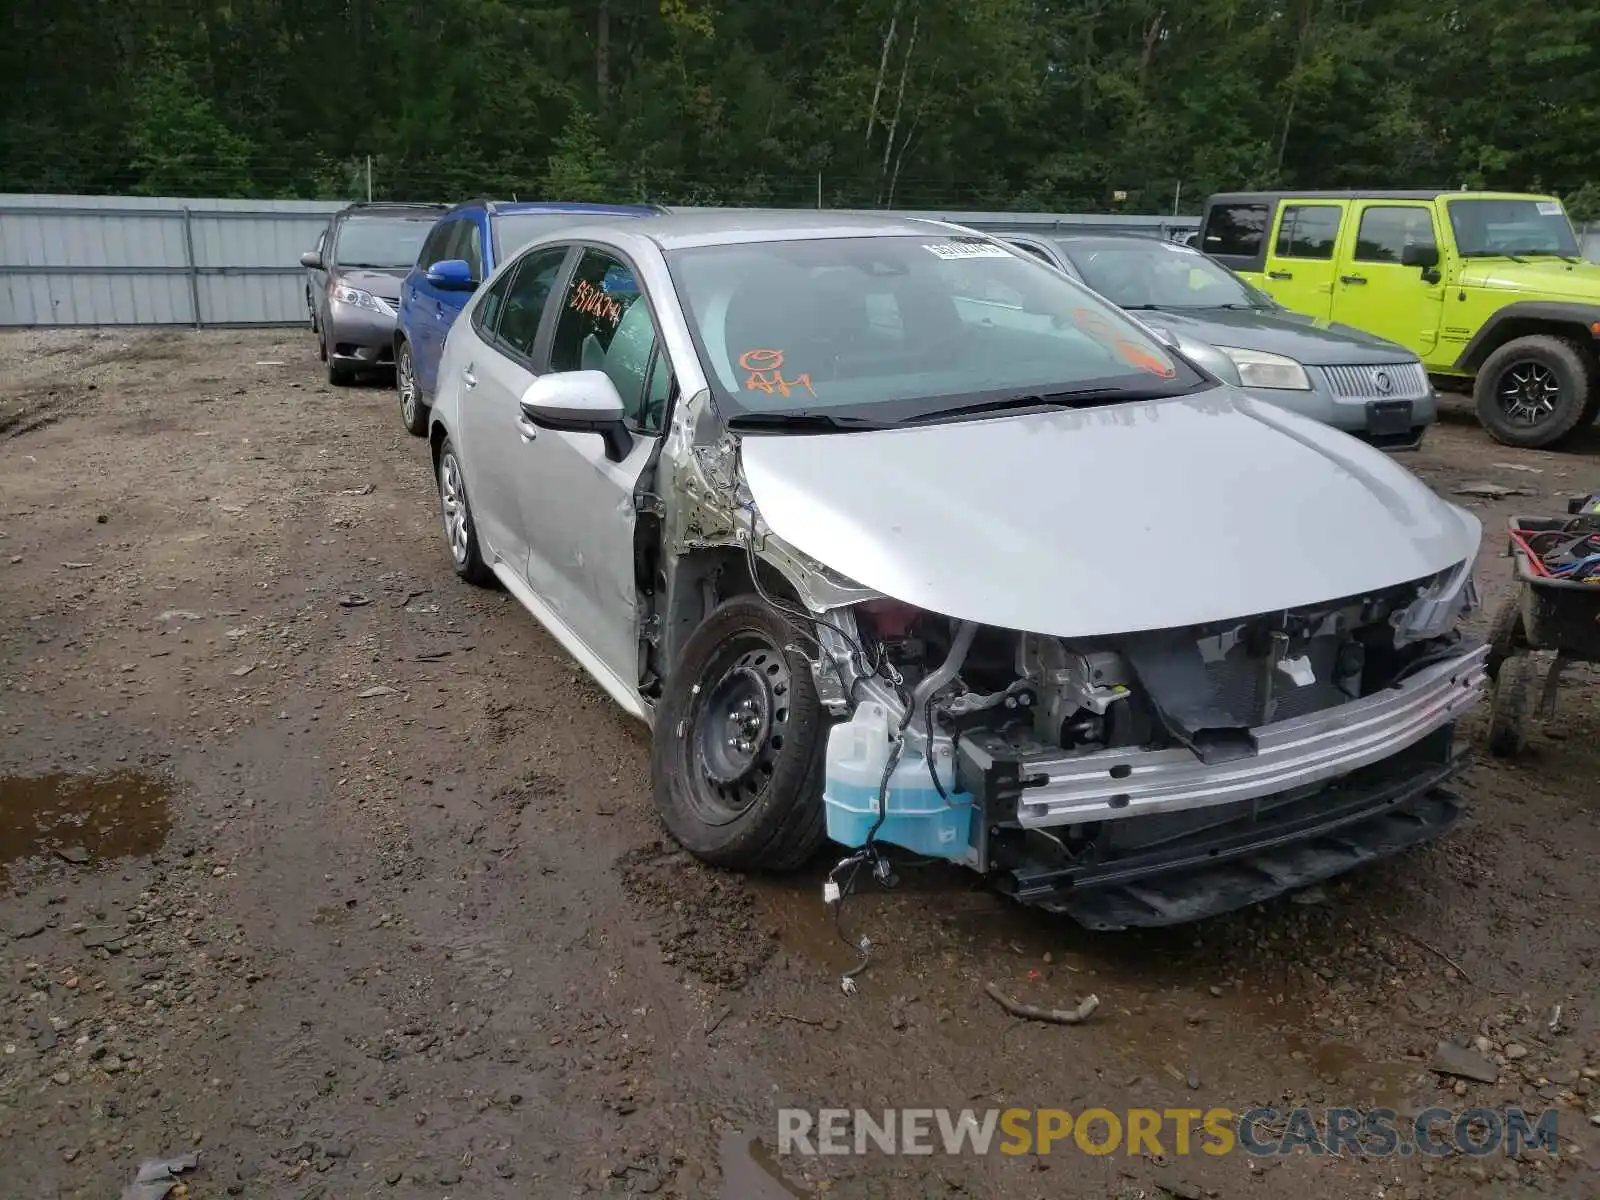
(1535,391)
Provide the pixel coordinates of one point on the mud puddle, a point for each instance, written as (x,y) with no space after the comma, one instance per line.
(82,818)
(750,1171)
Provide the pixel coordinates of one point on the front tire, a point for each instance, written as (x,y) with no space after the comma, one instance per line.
(740,738)
(413,412)
(460,531)
(1536,391)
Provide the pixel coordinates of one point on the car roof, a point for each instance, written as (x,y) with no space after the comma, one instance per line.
(501,208)
(384,208)
(1412,194)
(1095,241)
(728,227)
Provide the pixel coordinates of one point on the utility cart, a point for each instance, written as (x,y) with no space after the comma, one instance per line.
(1556,607)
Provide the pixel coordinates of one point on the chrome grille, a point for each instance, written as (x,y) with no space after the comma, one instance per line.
(1407,381)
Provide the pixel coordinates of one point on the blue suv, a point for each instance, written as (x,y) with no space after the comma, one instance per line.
(461,251)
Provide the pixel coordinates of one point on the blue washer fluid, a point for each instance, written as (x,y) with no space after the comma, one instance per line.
(918,819)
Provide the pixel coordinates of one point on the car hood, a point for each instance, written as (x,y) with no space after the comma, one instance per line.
(1089,522)
(1277,331)
(1545,276)
(385,283)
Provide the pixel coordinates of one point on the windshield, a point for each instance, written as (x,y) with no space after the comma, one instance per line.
(891,327)
(384,243)
(1145,273)
(512,231)
(1488,228)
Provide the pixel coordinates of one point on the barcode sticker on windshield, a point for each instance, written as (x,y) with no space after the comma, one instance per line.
(953,250)
(1549,208)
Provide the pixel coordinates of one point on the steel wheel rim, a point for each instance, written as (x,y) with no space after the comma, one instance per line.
(1528,392)
(408,386)
(453,500)
(740,723)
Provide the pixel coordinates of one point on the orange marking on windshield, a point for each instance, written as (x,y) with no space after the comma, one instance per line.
(766,373)
(1135,355)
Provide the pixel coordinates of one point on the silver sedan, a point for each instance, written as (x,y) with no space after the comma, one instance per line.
(901,538)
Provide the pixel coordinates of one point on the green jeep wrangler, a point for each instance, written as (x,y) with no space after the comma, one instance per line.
(1489,289)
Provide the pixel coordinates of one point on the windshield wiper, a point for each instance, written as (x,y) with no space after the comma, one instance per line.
(1550,254)
(803,420)
(1492,254)
(1081,398)
(371,266)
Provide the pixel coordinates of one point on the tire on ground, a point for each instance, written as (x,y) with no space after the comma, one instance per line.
(1508,715)
(405,364)
(783,826)
(472,566)
(1576,403)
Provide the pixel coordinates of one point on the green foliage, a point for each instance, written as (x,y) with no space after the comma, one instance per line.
(1045,104)
(178,145)
(578,168)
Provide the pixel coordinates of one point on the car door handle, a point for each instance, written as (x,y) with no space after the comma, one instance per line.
(1280,274)
(1352,279)
(468,378)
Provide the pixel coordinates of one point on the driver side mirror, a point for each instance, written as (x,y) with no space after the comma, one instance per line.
(1424,256)
(311,259)
(452,275)
(578,402)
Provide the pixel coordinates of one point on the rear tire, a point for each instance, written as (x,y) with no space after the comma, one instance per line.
(413,412)
(460,530)
(1536,391)
(740,738)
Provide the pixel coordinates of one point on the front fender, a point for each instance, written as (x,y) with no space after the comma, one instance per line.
(1524,317)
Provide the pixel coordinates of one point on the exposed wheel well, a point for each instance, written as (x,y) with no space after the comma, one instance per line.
(1512,328)
(689,587)
(436,435)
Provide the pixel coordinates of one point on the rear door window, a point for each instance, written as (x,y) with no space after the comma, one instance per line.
(527,299)
(1236,230)
(486,316)
(1308,231)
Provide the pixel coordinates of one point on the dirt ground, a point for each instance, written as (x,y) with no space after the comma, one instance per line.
(341,873)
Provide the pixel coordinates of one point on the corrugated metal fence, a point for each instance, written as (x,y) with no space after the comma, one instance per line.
(123,260)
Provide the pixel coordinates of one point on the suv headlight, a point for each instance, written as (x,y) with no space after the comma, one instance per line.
(1258,369)
(345,294)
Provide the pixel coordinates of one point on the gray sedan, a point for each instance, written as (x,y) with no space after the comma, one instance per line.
(900,538)
(1337,374)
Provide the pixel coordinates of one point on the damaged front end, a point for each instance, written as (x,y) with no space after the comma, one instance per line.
(1253,756)
(1130,779)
